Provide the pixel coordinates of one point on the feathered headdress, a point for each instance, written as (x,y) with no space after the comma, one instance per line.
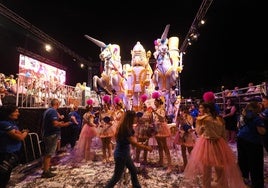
(208,96)
(143,98)
(116,100)
(156,95)
(90,102)
(106,99)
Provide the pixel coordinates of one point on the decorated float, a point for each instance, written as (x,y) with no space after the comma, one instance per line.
(137,78)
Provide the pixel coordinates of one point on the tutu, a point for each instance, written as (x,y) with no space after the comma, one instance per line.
(106,130)
(214,153)
(84,142)
(162,130)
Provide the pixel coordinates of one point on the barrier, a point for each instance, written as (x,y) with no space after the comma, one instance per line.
(31,148)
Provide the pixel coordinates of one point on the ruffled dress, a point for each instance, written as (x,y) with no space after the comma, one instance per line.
(106,129)
(212,155)
(88,132)
(160,122)
(142,130)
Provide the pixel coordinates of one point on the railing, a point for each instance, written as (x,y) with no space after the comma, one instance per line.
(242,96)
(31,148)
(31,92)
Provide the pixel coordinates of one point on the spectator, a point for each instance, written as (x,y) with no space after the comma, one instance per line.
(236,91)
(230,118)
(251,88)
(193,112)
(75,127)
(249,145)
(10,142)
(264,116)
(51,132)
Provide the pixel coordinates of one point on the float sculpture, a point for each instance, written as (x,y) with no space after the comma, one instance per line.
(138,75)
(168,66)
(111,79)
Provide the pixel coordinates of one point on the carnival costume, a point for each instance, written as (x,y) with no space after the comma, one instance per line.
(212,150)
(159,117)
(88,132)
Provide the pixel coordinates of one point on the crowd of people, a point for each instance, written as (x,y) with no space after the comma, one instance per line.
(204,132)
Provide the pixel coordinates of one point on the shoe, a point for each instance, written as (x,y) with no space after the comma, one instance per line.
(52,168)
(110,159)
(48,174)
(169,170)
(104,161)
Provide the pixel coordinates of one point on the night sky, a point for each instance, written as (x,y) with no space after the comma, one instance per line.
(227,52)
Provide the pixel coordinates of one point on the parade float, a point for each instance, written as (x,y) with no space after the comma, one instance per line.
(136,78)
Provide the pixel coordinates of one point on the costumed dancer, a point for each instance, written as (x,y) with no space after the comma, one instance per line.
(185,136)
(118,111)
(163,131)
(144,121)
(106,129)
(118,114)
(89,131)
(211,151)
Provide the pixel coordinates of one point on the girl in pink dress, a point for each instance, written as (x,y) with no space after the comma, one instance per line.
(88,132)
(212,153)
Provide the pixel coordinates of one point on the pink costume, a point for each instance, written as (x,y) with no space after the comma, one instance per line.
(212,150)
(87,133)
(160,121)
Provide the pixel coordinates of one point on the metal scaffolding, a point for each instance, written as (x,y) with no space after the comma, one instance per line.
(40,34)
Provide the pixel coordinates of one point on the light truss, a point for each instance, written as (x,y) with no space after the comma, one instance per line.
(40,34)
(195,24)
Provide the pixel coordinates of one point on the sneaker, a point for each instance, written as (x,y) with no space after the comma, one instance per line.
(48,174)
(52,168)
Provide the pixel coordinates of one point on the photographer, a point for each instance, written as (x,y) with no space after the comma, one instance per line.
(10,142)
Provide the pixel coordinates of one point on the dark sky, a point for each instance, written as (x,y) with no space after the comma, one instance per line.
(226,53)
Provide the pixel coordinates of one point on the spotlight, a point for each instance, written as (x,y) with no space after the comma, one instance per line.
(194,36)
(48,47)
(201,23)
